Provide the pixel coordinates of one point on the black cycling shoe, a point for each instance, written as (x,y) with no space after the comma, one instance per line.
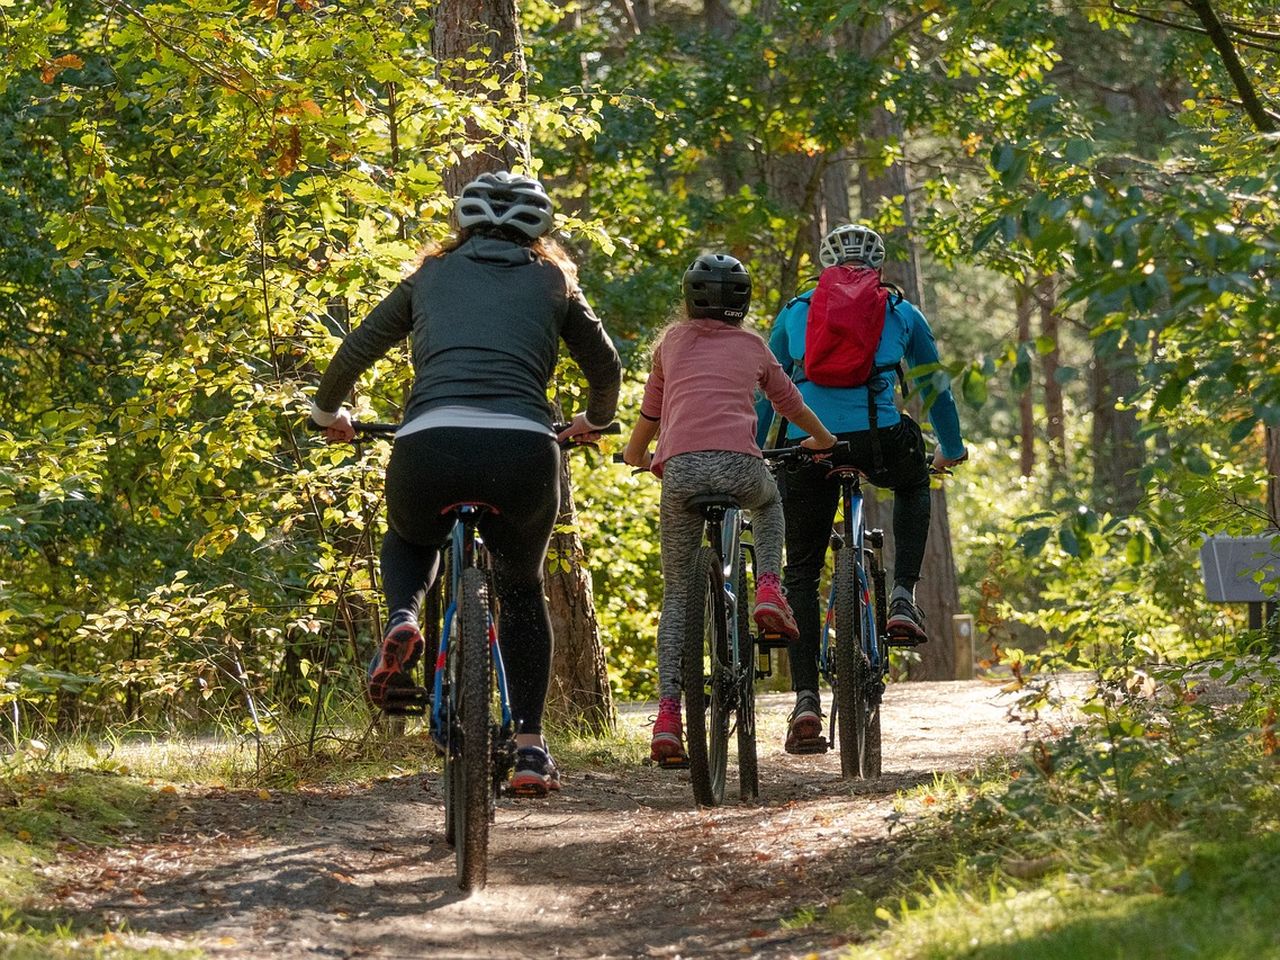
(906,622)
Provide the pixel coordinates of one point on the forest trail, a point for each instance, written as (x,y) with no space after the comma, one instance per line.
(621,864)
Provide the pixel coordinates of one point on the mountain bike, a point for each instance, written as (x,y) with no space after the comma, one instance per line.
(719,664)
(854,653)
(718,668)
(465,696)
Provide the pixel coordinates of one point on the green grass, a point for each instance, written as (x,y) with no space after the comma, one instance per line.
(43,813)
(1148,834)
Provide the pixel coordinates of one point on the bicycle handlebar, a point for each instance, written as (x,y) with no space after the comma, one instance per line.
(798,454)
(371,429)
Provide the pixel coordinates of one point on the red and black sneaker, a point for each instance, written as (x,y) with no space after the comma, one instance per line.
(393,664)
(535,774)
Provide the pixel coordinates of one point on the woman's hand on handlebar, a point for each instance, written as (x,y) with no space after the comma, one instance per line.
(580,430)
(341,429)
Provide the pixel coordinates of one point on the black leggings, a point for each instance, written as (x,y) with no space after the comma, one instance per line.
(809,502)
(518,473)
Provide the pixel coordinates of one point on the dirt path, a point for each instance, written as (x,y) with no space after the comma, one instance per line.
(620,865)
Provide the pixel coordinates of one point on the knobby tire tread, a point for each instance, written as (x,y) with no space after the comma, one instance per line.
(476,779)
(847,661)
(706,719)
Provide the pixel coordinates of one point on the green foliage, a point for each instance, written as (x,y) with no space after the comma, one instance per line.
(1147,831)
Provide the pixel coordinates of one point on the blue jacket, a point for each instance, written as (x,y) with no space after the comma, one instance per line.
(906,340)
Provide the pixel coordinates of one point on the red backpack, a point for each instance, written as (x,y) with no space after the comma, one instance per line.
(846,319)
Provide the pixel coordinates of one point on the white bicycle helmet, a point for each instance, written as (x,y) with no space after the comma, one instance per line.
(852,241)
(505,199)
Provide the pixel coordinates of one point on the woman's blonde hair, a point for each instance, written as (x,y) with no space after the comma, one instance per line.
(544,248)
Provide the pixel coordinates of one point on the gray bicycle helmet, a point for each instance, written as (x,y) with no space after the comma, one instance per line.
(717,287)
(852,241)
(505,199)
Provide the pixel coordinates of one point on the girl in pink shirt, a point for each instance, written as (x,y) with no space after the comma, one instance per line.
(700,392)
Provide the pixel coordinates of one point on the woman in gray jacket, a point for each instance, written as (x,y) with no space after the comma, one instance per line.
(485,312)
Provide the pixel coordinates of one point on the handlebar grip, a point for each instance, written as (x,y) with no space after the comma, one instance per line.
(612,428)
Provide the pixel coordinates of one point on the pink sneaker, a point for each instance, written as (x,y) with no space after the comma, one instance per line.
(772,612)
(667,747)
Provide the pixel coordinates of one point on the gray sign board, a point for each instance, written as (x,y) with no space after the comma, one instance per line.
(1230,564)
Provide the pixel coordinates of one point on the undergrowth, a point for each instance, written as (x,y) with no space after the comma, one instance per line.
(1149,830)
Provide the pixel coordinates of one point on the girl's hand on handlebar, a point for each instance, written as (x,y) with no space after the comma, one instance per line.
(823,442)
(580,430)
(637,457)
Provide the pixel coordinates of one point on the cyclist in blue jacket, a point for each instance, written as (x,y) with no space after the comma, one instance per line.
(892,456)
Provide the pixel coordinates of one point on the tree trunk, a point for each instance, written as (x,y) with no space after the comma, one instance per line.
(1055,418)
(579,678)
(1273,475)
(1026,411)
(580,684)
(1118,452)
(461,27)
(937,594)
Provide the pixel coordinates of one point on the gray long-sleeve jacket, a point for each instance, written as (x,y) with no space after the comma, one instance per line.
(486,321)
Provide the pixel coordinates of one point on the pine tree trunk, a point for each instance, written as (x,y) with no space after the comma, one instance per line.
(1273,475)
(1055,416)
(937,594)
(462,27)
(1026,411)
(580,683)
(580,690)
(1118,452)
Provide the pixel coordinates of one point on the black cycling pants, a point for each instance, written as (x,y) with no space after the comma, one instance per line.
(518,473)
(809,503)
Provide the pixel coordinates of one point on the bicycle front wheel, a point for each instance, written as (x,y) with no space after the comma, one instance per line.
(705,668)
(471,782)
(848,662)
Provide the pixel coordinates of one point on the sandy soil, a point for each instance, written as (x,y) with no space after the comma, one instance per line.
(621,864)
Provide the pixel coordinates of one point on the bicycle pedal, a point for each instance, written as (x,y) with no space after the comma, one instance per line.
(674,763)
(808,747)
(406,701)
(903,640)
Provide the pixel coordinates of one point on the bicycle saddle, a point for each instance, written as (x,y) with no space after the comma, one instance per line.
(845,471)
(723,500)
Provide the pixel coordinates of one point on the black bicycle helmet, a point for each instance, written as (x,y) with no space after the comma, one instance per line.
(504,199)
(717,287)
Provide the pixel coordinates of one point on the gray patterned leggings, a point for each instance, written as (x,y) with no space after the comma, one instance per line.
(684,476)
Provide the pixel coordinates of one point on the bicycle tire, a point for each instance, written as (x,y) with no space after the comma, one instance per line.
(846,660)
(872,751)
(748,762)
(475,780)
(704,660)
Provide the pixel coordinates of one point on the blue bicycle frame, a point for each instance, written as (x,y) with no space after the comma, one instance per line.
(464,542)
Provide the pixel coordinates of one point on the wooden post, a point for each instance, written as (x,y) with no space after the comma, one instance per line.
(962,637)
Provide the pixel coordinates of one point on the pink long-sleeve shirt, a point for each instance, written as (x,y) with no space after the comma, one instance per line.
(702,389)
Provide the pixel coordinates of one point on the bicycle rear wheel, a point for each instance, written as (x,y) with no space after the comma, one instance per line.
(471,785)
(705,659)
(848,661)
(748,764)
